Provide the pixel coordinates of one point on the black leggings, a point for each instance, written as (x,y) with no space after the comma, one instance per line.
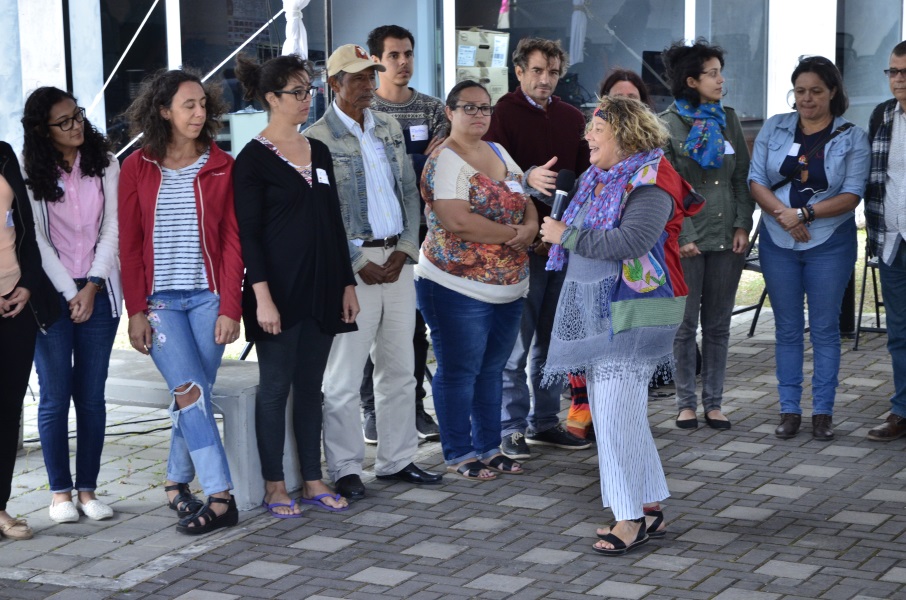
(17,351)
(296,357)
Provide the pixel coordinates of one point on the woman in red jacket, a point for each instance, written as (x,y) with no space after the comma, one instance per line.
(182,276)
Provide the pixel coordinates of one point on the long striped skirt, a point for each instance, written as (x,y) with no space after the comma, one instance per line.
(631,471)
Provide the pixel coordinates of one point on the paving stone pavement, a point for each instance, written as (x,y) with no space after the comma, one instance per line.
(751,517)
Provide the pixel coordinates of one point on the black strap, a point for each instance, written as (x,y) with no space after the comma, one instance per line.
(812,153)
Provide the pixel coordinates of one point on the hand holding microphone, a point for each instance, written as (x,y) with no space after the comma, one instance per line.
(552,228)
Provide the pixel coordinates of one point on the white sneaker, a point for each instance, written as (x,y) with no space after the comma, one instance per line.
(94,509)
(64,512)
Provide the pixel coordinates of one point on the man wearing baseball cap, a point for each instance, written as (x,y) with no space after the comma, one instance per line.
(378,194)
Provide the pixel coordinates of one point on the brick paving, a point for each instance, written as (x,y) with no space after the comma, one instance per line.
(751,517)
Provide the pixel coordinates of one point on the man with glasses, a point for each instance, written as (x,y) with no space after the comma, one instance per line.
(543,134)
(885,214)
(379,198)
(424,127)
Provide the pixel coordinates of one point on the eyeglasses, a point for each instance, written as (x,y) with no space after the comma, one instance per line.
(69,122)
(472,109)
(300,94)
(892,73)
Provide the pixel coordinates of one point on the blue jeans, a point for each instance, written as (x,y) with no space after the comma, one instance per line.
(893,286)
(183,349)
(472,340)
(518,414)
(72,361)
(821,274)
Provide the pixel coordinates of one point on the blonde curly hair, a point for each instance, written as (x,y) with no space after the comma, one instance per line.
(635,127)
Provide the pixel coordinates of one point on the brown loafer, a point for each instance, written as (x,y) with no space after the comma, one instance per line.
(16,529)
(894,427)
(789,425)
(823,427)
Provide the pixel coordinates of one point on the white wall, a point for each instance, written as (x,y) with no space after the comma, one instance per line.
(41,40)
(10,75)
(87,58)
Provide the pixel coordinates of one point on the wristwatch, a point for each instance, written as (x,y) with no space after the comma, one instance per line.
(99,282)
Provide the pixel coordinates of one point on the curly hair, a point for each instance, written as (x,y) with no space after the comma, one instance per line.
(682,62)
(157,92)
(549,48)
(42,161)
(635,127)
(617,75)
(273,74)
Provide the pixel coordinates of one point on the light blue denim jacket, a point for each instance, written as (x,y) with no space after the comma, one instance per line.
(847,159)
(349,173)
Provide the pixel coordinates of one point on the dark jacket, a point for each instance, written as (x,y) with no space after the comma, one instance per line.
(44,301)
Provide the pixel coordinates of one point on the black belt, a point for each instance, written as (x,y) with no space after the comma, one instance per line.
(382,242)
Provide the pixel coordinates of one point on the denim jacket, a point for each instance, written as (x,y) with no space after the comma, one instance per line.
(846,164)
(349,170)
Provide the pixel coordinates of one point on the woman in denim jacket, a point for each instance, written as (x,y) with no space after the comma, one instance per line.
(808,242)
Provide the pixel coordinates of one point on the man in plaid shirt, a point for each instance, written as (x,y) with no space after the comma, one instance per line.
(885,213)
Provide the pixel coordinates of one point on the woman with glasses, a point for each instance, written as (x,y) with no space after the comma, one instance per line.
(708,149)
(299,289)
(182,277)
(470,280)
(809,169)
(72,180)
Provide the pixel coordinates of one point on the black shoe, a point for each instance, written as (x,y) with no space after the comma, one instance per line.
(425,426)
(558,438)
(717,423)
(369,429)
(789,425)
(350,487)
(687,423)
(412,474)
(206,519)
(514,446)
(823,427)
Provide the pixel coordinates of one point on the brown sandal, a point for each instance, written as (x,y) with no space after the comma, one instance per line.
(16,529)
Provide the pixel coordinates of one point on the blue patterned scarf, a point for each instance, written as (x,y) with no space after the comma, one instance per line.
(604,211)
(705,143)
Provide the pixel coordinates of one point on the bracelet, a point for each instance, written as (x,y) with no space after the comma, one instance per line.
(800,214)
(811,213)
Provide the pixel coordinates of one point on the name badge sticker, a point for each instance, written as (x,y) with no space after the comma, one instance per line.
(9,218)
(515,186)
(728,147)
(322,176)
(418,133)
(794,150)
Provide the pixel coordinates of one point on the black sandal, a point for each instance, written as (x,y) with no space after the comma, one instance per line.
(504,464)
(471,470)
(206,519)
(653,531)
(619,546)
(184,503)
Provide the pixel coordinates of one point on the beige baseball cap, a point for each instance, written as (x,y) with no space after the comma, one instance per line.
(351,58)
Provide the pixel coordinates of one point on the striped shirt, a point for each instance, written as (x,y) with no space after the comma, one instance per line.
(384,212)
(895,190)
(178,259)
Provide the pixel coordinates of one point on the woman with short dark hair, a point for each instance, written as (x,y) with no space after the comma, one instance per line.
(809,170)
(623,82)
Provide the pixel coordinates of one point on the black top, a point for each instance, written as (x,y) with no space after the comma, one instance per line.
(801,192)
(292,237)
(44,302)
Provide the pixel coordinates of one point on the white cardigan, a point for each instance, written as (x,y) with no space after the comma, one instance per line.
(106,262)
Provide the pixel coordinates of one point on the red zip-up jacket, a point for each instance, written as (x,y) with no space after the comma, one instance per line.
(140,181)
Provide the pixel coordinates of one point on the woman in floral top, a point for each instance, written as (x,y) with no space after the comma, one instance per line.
(470,280)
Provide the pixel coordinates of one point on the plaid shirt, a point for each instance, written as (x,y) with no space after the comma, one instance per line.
(880,127)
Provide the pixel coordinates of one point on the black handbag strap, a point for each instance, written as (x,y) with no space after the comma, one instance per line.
(812,153)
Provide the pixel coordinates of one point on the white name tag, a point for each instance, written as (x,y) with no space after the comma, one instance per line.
(322,176)
(418,133)
(794,150)
(9,218)
(728,147)
(515,187)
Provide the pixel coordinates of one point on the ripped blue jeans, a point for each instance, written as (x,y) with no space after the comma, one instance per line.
(183,349)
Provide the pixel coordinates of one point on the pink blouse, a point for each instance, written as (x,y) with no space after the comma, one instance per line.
(75,220)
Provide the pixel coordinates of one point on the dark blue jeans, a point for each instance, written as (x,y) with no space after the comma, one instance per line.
(72,361)
(472,340)
(893,285)
(820,274)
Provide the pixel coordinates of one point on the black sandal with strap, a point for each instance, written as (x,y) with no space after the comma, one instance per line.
(206,519)
(504,464)
(184,503)
(619,546)
(653,531)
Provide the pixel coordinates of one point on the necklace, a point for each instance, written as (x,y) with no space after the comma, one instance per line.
(807,153)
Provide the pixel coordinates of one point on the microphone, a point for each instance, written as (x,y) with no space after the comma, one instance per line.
(566,179)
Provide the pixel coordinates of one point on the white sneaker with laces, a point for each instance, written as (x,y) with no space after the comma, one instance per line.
(94,509)
(64,512)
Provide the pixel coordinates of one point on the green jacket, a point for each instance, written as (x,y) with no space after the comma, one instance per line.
(728,203)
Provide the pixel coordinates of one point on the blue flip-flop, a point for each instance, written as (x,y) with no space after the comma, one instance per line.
(270,508)
(316,501)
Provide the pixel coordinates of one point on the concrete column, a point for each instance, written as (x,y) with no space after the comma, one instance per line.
(87,58)
(42,46)
(10,75)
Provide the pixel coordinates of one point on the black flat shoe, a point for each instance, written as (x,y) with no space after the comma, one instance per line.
(789,425)
(184,503)
(350,487)
(687,423)
(717,423)
(206,520)
(619,546)
(412,474)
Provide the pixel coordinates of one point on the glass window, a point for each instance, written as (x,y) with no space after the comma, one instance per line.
(739,27)
(867,30)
